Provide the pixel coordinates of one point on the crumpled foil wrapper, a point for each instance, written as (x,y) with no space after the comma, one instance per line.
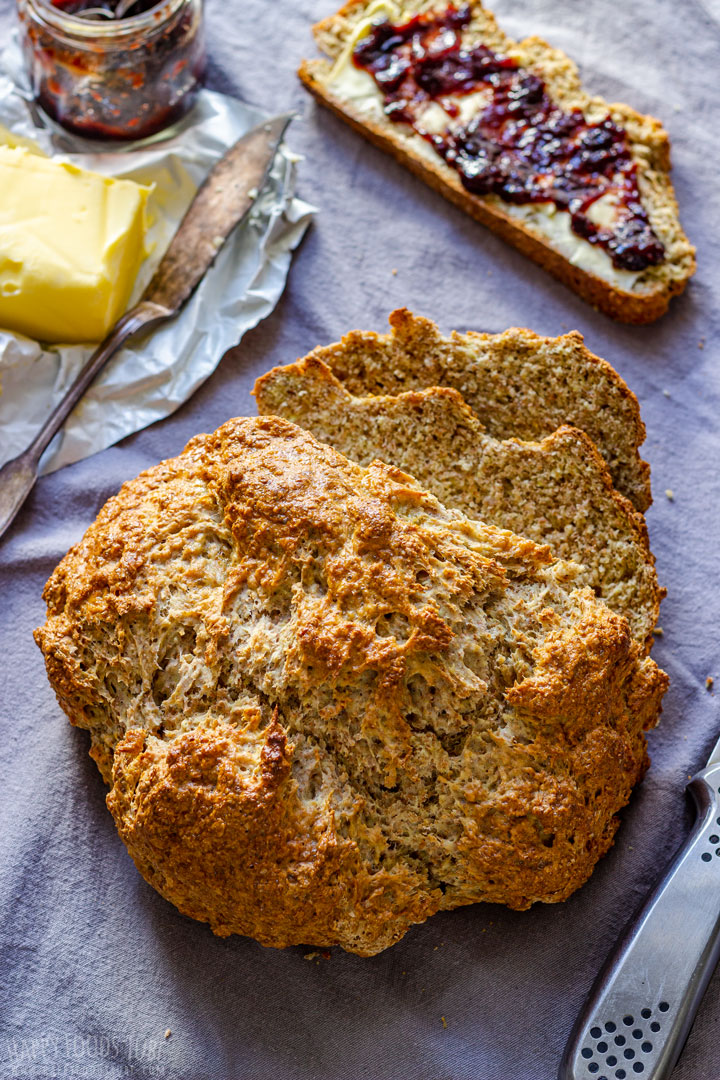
(158,370)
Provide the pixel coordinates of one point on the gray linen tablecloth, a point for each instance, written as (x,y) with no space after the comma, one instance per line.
(96,966)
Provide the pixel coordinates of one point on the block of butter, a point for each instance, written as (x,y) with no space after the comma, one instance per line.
(71,244)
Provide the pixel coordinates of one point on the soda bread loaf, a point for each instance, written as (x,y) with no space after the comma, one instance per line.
(557,492)
(518,384)
(495,125)
(327,707)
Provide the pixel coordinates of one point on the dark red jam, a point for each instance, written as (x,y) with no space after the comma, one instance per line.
(114,78)
(77,7)
(520,146)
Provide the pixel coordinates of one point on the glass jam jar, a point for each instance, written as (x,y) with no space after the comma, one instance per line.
(113,78)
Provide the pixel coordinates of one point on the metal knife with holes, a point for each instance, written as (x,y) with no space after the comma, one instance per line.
(638,1014)
(220,204)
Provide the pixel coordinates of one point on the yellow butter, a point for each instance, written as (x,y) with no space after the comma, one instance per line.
(71,244)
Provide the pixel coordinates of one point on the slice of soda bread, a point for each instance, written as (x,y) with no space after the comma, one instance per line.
(632,169)
(556,492)
(518,384)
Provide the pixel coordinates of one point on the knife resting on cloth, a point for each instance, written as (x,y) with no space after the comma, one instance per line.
(638,1014)
(221,203)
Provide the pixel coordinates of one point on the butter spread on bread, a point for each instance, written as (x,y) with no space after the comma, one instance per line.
(505,130)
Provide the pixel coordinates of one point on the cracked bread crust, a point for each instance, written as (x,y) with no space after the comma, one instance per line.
(327,707)
(556,492)
(518,384)
(649,144)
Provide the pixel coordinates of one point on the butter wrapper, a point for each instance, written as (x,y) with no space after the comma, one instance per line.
(154,375)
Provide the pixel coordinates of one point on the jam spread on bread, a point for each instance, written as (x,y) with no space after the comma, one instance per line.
(513,141)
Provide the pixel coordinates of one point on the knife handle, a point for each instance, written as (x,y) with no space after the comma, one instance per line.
(137,318)
(638,1014)
(18,476)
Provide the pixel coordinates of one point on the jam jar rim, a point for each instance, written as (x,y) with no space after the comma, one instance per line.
(107,33)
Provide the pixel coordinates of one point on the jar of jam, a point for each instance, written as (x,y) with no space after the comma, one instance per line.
(113,69)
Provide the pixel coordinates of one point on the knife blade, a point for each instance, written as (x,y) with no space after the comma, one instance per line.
(221,203)
(641,1008)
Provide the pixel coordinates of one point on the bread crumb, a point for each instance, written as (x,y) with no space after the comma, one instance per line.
(436,948)
(658,631)
(701,343)
(394,272)
(444,1021)
(709,682)
(670,494)
(168,1033)
(310,955)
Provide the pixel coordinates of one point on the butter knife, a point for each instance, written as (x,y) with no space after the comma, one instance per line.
(638,1014)
(221,203)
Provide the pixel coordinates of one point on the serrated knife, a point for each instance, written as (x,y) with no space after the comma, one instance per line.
(220,204)
(638,1014)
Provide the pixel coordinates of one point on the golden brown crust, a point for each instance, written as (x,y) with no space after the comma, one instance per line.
(333,707)
(645,302)
(216,844)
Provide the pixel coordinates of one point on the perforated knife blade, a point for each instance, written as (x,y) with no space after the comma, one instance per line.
(639,1012)
(220,204)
